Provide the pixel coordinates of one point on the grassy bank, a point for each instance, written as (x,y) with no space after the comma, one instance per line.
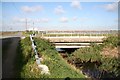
(27,68)
(104,57)
(25,61)
(58,67)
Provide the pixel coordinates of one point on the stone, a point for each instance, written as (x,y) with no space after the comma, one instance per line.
(44,69)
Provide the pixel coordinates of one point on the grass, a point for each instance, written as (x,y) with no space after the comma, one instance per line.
(58,67)
(25,61)
(26,66)
(92,54)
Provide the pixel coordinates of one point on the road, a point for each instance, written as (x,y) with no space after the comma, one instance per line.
(8,67)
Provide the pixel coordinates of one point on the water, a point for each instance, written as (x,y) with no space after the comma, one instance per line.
(59,50)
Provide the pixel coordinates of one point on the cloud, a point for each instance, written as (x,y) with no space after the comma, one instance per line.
(28,9)
(45,20)
(75,18)
(18,19)
(41,20)
(63,19)
(59,10)
(76,4)
(111,7)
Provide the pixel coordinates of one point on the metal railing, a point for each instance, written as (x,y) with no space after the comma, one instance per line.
(34,49)
(44,68)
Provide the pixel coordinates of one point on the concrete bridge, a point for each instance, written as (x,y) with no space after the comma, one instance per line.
(74,41)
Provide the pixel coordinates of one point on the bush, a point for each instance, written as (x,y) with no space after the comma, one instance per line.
(112,41)
(92,55)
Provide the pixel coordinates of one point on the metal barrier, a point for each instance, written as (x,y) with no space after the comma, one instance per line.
(35,51)
(44,68)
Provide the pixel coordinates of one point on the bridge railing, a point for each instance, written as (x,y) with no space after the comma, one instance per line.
(77,33)
(72,35)
(76,39)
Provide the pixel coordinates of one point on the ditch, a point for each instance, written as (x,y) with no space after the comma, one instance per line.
(88,68)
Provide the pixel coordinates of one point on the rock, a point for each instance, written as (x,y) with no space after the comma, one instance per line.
(41,59)
(44,69)
(22,37)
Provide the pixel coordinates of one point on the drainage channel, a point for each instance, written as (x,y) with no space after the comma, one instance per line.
(94,73)
(64,52)
(44,69)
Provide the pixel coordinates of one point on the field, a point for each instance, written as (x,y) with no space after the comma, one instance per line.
(8,33)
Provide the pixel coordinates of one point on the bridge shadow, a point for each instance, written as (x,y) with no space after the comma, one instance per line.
(66,50)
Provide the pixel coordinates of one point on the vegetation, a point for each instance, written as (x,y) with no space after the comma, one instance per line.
(58,67)
(27,33)
(87,59)
(91,58)
(26,65)
(25,62)
(27,68)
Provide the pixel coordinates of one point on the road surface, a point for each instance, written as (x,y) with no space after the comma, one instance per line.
(8,67)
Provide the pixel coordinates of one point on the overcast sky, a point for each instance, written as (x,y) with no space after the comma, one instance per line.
(72,15)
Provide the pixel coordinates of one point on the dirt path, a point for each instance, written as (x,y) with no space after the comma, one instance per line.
(8,69)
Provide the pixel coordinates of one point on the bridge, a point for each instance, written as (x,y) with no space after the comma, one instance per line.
(74,41)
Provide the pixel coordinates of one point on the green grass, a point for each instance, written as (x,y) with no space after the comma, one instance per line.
(93,55)
(27,33)
(26,66)
(25,61)
(58,67)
